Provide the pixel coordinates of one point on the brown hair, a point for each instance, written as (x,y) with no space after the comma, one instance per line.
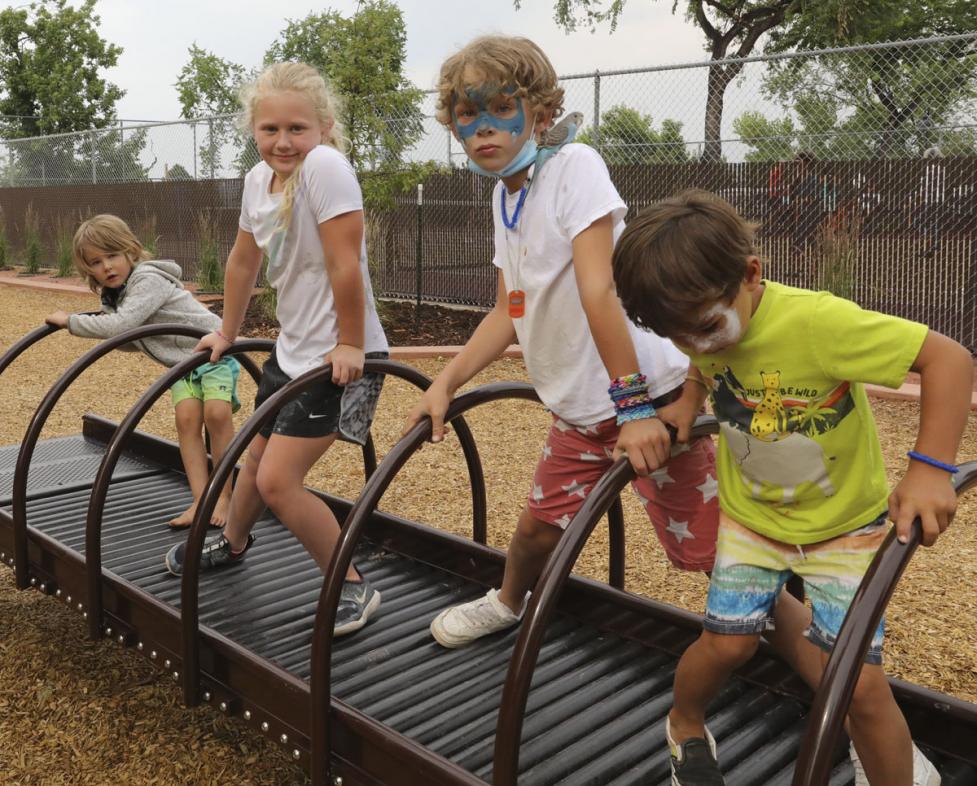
(508,61)
(106,233)
(679,256)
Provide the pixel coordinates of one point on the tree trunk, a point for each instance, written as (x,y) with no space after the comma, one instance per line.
(719,79)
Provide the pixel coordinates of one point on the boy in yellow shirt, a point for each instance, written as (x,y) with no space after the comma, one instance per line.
(802,486)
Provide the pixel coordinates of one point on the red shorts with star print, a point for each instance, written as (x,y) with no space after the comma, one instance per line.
(681,498)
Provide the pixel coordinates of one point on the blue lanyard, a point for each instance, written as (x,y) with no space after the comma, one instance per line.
(515,215)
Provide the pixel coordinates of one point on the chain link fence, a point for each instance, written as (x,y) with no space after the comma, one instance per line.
(860,164)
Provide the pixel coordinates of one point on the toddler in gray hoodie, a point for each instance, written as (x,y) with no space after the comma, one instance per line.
(136,290)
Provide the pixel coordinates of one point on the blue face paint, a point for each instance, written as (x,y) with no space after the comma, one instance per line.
(481,99)
(470,124)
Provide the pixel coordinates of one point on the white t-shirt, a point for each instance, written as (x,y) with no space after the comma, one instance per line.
(296,265)
(572,191)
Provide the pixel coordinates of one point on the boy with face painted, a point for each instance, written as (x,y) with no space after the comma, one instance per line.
(802,485)
(556,216)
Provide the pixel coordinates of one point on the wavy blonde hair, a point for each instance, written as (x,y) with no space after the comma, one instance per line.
(508,61)
(107,233)
(307,82)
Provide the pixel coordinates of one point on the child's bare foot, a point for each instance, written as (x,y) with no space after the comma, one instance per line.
(219,517)
(185,519)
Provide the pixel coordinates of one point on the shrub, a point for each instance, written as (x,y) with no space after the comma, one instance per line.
(838,247)
(4,247)
(210,274)
(146,233)
(62,247)
(32,241)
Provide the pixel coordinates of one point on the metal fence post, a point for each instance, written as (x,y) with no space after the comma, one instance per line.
(94,175)
(419,252)
(597,110)
(210,144)
(193,126)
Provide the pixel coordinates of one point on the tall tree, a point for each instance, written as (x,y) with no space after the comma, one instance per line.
(629,137)
(733,29)
(51,57)
(208,86)
(905,97)
(363,57)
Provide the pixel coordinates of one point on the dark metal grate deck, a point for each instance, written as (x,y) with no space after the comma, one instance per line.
(597,708)
(65,463)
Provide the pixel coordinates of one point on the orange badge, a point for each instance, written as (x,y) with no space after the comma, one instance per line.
(517,303)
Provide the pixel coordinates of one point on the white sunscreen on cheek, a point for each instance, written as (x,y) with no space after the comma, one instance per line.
(728,332)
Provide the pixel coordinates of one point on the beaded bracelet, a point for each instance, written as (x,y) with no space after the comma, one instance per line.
(640,412)
(631,399)
(951,468)
(221,335)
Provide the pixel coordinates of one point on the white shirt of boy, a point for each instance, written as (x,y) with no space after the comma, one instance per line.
(572,191)
(296,266)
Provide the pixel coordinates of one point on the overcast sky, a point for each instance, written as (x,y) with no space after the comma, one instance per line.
(155,36)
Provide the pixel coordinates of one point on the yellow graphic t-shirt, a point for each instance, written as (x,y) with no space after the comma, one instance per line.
(799,456)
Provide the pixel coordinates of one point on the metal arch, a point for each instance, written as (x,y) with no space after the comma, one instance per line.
(465,438)
(19,491)
(359,515)
(189,609)
(113,452)
(841,673)
(542,604)
(18,347)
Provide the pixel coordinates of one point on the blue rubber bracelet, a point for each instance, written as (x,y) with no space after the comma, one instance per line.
(951,468)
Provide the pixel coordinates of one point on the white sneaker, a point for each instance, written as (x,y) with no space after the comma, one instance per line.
(924,773)
(462,624)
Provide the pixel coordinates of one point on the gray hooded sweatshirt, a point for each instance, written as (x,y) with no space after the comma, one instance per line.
(153,294)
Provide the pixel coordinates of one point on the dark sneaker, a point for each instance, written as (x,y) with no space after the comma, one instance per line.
(357,602)
(694,761)
(216,552)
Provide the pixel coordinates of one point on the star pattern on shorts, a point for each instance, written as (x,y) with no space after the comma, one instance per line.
(573,487)
(562,521)
(547,452)
(679,448)
(642,500)
(562,425)
(680,529)
(588,456)
(661,477)
(709,488)
(537,492)
(587,430)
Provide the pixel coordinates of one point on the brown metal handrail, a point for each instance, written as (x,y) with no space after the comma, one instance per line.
(189,607)
(542,604)
(322,638)
(113,452)
(831,701)
(18,347)
(43,411)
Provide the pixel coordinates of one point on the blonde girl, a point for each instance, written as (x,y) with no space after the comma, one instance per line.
(303,209)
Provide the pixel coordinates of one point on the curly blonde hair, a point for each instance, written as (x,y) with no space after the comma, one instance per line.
(306,81)
(107,233)
(508,61)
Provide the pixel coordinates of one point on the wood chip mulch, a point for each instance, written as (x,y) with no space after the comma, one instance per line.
(74,711)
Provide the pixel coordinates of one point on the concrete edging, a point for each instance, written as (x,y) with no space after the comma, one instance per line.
(907,392)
